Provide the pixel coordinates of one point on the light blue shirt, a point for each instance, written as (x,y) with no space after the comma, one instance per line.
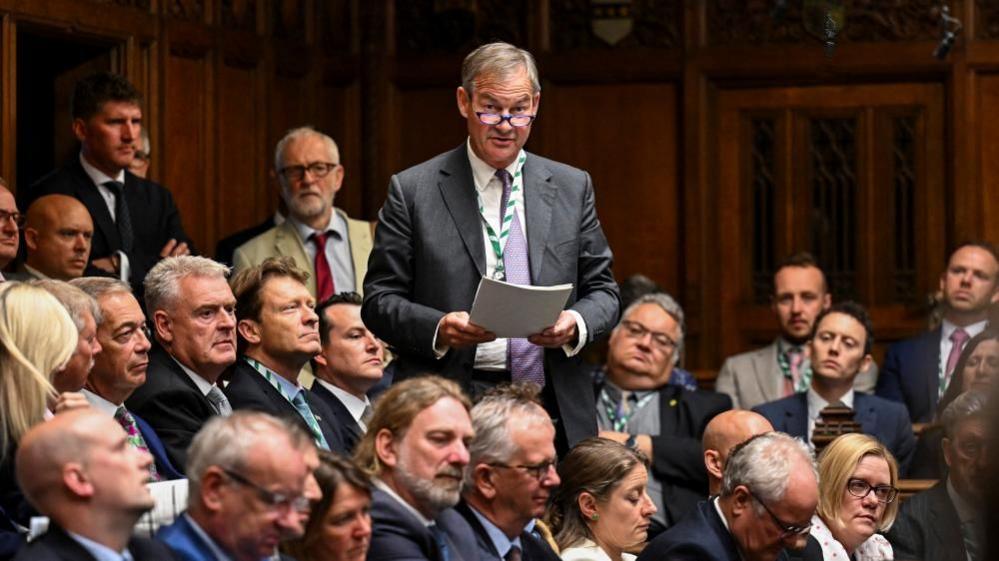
(99,551)
(337,250)
(217,551)
(499,539)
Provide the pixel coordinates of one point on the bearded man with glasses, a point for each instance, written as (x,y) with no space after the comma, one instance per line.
(639,405)
(321,239)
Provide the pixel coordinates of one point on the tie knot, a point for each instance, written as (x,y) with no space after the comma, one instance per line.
(505,179)
(959,336)
(114,186)
(319,238)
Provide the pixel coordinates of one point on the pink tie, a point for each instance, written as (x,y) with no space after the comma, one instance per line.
(959,337)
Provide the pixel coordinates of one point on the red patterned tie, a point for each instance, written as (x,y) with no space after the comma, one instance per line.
(127,422)
(324,278)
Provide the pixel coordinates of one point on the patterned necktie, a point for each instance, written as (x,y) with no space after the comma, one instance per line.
(127,422)
(366,416)
(440,538)
(971,534)
(513,554)
(526,359)
(325,287)
(794,359)
(122,218)
(305,411)
(219,401)
(958,338)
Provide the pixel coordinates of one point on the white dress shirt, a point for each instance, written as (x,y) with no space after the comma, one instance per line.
(355,406)
(337,250)
(100,178)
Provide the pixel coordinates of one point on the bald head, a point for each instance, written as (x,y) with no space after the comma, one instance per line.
(725,431)
(8,226)
(57,234)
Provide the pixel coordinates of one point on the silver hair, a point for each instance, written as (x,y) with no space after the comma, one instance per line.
(668,305)
(764,464)
(162,283)
(301,132)
(491,419)
(227,441)
(499,59)
(969,404)
(99,287)
(76,301)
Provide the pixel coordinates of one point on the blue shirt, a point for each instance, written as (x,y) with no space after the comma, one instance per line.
(499,539)
(99,551)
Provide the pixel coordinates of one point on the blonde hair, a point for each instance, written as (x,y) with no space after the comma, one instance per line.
(37,338)
(837,463)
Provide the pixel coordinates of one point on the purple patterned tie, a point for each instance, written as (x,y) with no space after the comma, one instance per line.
(527,361)
(127,422)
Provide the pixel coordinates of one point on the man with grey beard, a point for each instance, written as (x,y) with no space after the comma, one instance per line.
(416,449)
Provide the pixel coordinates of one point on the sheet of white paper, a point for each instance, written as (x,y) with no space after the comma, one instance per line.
(171,500)
(516,310)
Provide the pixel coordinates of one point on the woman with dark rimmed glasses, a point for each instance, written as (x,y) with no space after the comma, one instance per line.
(858,479)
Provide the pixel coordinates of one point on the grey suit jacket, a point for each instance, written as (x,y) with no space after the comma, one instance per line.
(284,240)
(429,257)
(754,378)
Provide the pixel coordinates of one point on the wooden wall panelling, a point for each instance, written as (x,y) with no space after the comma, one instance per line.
(8,103)
(337,114)
(987,111)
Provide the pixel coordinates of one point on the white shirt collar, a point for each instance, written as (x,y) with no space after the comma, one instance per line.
(100,551)
(500,540)
(377,481)
(99,403)
(947,329)
(204,386)
(336,223)
(717,502)
(965,511)
(483,173)
(354,405)
(98,176)
(816,403)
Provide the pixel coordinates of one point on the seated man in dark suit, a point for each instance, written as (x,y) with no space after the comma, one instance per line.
(277,328)
(841,348)
(917,370)
(194,317)
(766,505)
(351,363)
(511,474)
(946,522)
(120,368)
(726,431)
(638,406)
(416,450)
(77,470)
(248,475)
(135,220)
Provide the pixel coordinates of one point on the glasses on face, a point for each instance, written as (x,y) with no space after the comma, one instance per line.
(636,330)
(279,502)
(16,217)
(494,119)
(860,489)
(787,530)
(318,170)
(537,471)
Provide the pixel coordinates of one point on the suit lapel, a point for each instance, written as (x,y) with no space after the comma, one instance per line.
(931,358)
(796,416)
(766,368)
(865,414)
(943,519)
(538,196)
(91,197)
(287,242)
(667,413)
(458,191)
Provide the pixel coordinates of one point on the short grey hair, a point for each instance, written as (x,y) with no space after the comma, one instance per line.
(227,441)
(764,463)
(668,305)
(77,302)
(99,287)
(491,418)
(302,132)
(499,59)
(969,404)
(162,283)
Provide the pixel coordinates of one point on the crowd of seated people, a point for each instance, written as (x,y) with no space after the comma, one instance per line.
(329,397)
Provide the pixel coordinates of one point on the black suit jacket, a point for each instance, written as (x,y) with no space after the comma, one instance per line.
(57,545)
(429,256)
(172,404)
(911,375)
(227,246)
(927,528)
(247,389)
(532,547)
(342,418)
(154,216)
(677,456)
(397,535)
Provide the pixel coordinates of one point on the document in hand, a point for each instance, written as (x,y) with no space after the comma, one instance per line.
(517,310)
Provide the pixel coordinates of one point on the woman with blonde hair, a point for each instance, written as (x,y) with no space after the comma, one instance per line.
(858,485)
(601,511)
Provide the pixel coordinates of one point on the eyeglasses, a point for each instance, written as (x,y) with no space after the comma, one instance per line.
(318,170)
(17,217)
(494,119)
(537,471)
(860,489)
(275,501)
(636,330)
(787,530)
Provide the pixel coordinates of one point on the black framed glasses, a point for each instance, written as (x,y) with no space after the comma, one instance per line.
(639,331)
(318,170)
(494,119)
(787,530)
(279,502)
(537,471)
(17,217)
(860,489)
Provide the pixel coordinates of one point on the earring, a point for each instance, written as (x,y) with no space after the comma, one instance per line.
(594,517)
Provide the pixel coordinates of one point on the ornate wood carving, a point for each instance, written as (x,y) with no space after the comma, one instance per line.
(834,186)
(239,15)
(457,26)
(187,10)
(987,16)
(655,24)
(904,289)
(763,171)
(737,21)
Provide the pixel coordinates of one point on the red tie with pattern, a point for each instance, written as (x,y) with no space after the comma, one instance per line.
(324,278)
(127,422)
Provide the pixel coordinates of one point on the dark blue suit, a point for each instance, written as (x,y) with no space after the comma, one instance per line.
(397,535)
(532,547)
(186,544)
(342,418)
(911,375)
(57,545)
(156,448)
(885,420)
(700,536)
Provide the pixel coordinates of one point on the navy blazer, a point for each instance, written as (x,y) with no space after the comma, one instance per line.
(342,418)
(57,545)
(885,420)
(911,375)
(532,548)
(163,464)
(700,536)
(188,545)
(928,529)
(397,535)
(248,389)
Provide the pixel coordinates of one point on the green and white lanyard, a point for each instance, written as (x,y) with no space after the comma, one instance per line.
(498,242)
(616,411)
(307,415)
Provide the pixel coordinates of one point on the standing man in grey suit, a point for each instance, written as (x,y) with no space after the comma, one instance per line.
(489,208)
(783,368)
